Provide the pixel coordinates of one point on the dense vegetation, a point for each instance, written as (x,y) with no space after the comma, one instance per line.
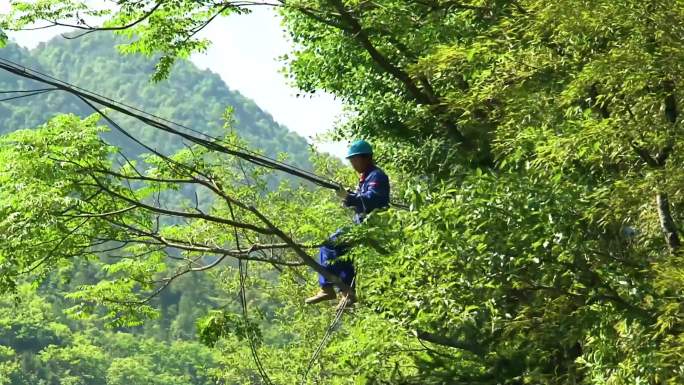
(537,143)
(192,97)
(41,346)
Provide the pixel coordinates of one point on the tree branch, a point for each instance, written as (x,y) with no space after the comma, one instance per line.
(671,110)
(89,29)
(180,214)
(300,252)
(644,155)
(451,342)
(425,98)
(667,223)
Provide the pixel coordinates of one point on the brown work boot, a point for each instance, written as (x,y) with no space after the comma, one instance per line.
(349,296)
(325,294)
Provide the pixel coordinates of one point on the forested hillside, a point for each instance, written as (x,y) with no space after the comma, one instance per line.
(538,147)
(42,342)
(39,345)
(191,97)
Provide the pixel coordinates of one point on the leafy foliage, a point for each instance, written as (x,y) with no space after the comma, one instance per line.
(84,354)
(537,144)
(192,97)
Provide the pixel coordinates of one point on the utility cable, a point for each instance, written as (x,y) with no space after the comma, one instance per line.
(250,337)
(24,94)
(26,91)
(211,142)
(328,332)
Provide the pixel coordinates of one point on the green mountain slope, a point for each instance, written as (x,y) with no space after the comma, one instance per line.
(81,351)
(192,97)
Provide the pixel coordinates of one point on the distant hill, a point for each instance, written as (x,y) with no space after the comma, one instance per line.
(193,97)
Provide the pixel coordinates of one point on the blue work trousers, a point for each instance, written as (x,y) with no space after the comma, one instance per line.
(328,255)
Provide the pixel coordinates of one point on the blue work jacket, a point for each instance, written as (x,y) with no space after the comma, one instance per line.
(372,193)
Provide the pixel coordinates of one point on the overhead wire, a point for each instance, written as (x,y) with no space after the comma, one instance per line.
(157,122)
(211,142)
(328,332)
(24,94)
(26,91)
(131,107)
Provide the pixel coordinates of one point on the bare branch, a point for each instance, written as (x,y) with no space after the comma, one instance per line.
(50,254)
(300,252)
(89,29)
(451,342)
(99,215)
(180,214)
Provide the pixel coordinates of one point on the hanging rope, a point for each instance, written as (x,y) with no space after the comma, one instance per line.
(328,332)
(250,337)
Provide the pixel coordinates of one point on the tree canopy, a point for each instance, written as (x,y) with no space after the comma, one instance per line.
(536,143)
(190,96)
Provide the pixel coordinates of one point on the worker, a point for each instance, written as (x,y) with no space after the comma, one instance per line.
(372,193)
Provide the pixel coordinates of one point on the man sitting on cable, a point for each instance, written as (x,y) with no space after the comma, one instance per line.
(372,193)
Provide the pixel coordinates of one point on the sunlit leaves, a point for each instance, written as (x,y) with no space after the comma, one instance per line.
(533,253)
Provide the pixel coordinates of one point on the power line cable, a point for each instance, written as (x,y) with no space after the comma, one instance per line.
(214,143)
(26,91)
(25,95)
(328,332)
(75,87)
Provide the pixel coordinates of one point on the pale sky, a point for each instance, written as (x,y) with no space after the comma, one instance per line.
(244,53)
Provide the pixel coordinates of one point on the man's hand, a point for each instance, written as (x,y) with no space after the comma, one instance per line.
(342,193)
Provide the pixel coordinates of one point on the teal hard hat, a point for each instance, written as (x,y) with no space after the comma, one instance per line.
(359,147)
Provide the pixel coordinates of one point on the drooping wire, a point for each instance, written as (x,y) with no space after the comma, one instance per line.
(24,94)
(250,337)
(213,143)
(26,91)
(243,302)
(328,332)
